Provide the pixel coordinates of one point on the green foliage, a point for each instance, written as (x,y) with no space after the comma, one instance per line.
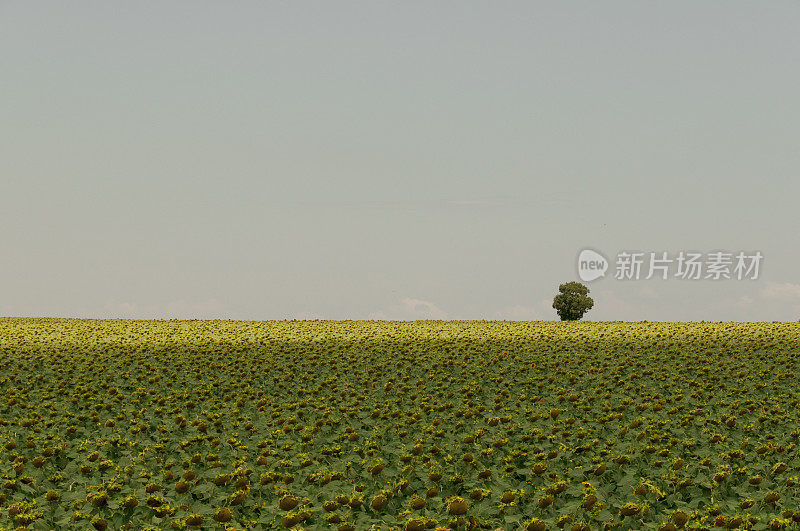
(572,301)
(126,425)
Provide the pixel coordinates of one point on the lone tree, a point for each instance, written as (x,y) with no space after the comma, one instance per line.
(572,301)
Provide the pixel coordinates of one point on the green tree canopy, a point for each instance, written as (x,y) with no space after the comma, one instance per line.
(572,301)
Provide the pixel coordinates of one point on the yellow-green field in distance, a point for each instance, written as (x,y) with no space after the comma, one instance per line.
(398,425)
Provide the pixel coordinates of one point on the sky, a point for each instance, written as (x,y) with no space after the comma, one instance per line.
(394,160)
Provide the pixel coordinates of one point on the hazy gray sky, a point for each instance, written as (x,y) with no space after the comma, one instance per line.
(393,159)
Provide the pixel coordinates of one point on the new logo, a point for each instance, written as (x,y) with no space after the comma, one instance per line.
(591,265)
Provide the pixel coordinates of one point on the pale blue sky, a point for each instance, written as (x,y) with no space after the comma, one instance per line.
(393,159)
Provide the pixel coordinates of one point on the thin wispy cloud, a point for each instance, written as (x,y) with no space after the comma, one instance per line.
(178,309)
(410,309)
(781,291)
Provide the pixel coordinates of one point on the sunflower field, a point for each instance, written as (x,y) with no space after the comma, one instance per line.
(349,425)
